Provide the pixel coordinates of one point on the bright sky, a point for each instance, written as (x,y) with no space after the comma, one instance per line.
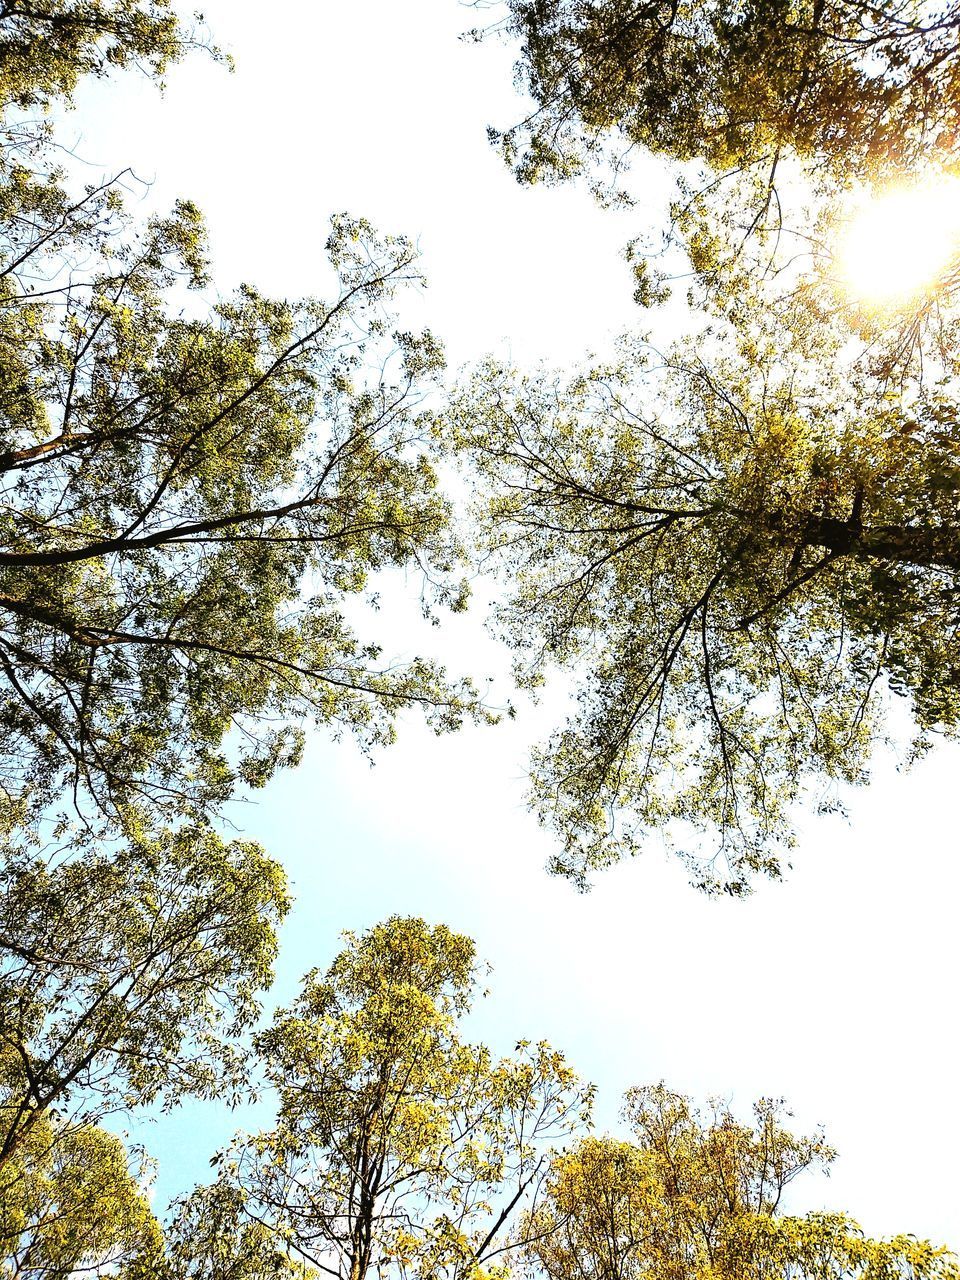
(836,990)
(882,258)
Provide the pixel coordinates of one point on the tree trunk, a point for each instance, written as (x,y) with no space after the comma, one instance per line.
(920,545)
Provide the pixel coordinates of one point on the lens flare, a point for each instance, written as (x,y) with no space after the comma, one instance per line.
(898,244)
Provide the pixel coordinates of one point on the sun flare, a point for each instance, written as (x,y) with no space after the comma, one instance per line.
(897,245)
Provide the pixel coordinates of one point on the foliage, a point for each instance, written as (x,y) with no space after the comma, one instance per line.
(46,46)
(70,1204)
(769,115)
(193,493)
(399,1147)
(128,976)
(214,1237)
(188,503)
(700,1196)
(738,546)
(736,554)
(851,84)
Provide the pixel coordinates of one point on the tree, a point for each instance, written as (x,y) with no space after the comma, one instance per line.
(189,503)
(193,491)
(70,1203)
(399,1147)
(736,548)
(128,976)
(46,46)
(851,85)
(700,1195)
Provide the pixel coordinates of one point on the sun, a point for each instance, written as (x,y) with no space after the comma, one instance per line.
(897,244)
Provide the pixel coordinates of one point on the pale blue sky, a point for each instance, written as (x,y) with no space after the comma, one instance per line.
(836,990)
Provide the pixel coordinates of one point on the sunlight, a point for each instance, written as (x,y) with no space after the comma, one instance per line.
(897,244)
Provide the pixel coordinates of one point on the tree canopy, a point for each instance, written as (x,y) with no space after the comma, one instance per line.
(71,1204)
(192,493)
(850,84)
(400,1149)
(737,548)
(701,1194)
(130,975)
(742,545)
(47,46)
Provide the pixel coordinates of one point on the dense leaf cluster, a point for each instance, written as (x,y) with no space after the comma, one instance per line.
(47,46)
(850,84)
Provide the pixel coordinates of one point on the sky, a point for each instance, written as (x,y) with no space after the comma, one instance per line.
(837,989)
